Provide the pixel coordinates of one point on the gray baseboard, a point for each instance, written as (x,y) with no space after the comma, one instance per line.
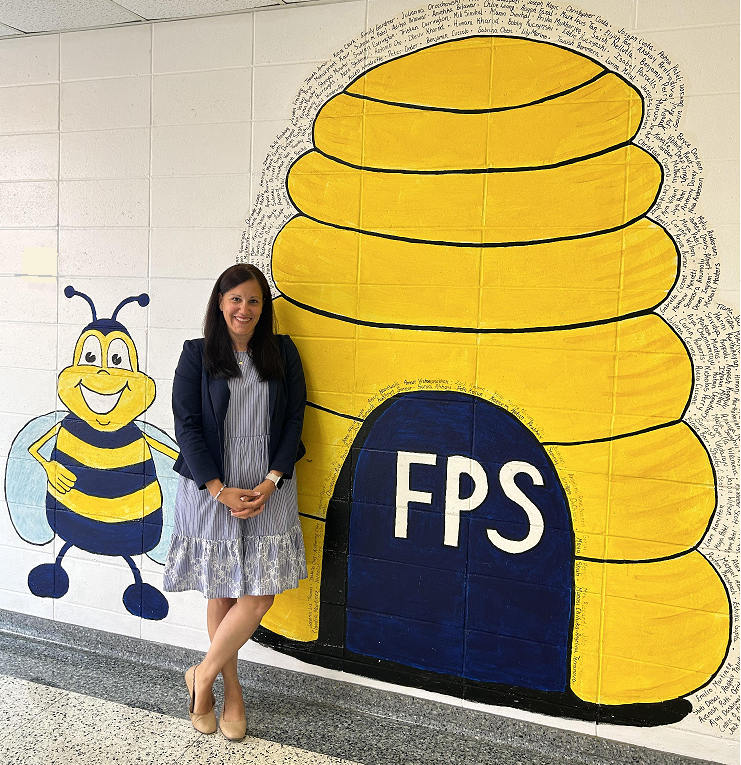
(444,718)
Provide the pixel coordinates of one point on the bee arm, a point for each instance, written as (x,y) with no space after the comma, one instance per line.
(33,450)
(160,447)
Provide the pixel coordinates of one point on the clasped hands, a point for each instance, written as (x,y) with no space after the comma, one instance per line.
(243,503)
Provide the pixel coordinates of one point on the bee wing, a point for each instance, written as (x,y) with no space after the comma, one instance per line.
(25,481)
(168,480)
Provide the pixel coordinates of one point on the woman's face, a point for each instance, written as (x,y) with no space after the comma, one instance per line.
(241,307)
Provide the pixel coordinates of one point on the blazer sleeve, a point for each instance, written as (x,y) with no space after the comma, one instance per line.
(188,415)
(293,420)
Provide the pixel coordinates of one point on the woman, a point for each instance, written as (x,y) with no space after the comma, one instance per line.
(238,399)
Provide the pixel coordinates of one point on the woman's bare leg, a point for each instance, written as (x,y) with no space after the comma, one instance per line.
(233,700)
(234,629)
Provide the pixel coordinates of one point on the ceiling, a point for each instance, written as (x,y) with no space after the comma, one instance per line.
(18,17)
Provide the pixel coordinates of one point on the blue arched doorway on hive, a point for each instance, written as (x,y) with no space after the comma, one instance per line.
(460,555)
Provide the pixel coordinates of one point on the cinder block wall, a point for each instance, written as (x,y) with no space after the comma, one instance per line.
(136,152)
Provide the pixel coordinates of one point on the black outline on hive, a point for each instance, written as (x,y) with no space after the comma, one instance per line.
(492,110)
(398,237)
(646,714)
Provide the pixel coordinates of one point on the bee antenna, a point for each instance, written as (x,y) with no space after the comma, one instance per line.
(142,299)
(70,291)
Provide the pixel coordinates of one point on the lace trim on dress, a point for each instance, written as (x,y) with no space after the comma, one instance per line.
(230,568)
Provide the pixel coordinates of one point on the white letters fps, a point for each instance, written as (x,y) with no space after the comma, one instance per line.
(455,504)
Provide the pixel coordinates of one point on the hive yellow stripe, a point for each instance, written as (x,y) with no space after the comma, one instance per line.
(105,459)
(588,196)
(477,73)
(575,385)
(327,437)
(382,280)
(645,496)
(598,115)
(112,510)
(295,613)
(664,634)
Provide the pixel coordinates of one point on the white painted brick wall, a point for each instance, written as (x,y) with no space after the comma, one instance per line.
(136,151)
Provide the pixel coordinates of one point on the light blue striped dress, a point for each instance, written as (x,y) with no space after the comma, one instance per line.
(226,557)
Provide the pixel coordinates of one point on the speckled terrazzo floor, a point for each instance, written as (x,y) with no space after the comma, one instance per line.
(40,724)
(65,705)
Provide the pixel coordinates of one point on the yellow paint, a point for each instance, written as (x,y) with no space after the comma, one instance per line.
(327,438)
(131,391)
(386,281)
(477,73)
(160,447)
(547,376)
(643,632)
(105,341)
(659,629)
(589,196)
(130,507)
(597,116)
(645,496)
(295,613)
(33,450)
(104,459)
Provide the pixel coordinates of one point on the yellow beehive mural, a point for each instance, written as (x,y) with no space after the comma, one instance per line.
(473,220)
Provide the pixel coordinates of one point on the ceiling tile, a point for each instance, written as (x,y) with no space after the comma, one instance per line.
(171,9)
(6,30)
(43,16)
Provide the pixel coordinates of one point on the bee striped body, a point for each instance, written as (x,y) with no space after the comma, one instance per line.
(116,499)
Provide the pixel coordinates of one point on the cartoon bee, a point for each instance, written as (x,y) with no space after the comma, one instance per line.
(101,466)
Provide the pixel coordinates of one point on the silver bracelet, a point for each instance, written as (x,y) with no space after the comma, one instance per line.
(223,486)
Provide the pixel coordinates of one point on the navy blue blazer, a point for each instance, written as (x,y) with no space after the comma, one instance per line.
(199,404)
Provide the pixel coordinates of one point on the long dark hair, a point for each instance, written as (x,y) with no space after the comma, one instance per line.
(218,354)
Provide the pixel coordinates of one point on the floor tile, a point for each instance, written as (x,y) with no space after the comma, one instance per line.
(81,697)
(252,751)
(80,730)
(21,701)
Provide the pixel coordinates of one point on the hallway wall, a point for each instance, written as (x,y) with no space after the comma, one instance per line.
(130,160)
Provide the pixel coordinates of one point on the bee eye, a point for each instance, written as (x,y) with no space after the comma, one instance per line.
(118,355)
(91,353)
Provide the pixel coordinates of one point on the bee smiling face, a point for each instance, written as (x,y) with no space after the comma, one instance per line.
(104,386)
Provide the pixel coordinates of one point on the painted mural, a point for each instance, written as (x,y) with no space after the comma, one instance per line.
(89,475)
(517,486)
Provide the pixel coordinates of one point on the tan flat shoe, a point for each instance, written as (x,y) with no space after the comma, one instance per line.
(234,731)
(203,723)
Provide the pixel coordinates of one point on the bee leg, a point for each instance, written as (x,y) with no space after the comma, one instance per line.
(141,599)
(50,580)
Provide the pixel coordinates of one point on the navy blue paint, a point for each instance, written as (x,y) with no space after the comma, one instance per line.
(370,524)
(50,580)
(122,538)
(146,468)
(424,645)
(420,591)
(108,483)
(495,616)
(516,609)
(124,436)
(141,599)
(512,661)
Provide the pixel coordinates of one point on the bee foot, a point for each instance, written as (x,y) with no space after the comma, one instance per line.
(141,599)
(49,580)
